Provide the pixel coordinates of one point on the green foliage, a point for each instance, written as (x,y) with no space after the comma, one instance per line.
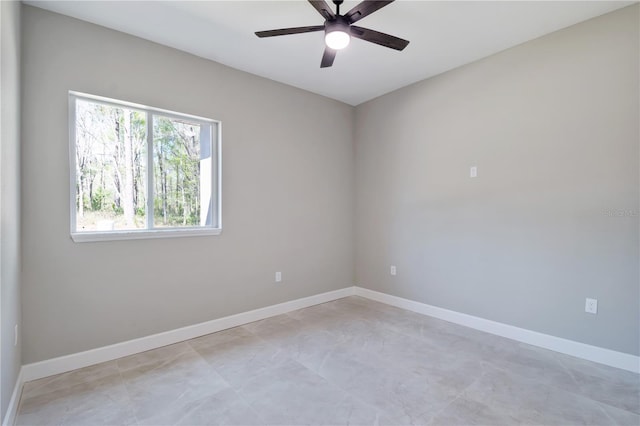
(176,172)
(104,134)
(99,199)
(85,202)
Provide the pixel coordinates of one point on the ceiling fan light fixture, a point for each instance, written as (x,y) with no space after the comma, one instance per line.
(337,35)
(337,40)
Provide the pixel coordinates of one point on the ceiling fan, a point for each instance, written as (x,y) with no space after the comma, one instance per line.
(339,29)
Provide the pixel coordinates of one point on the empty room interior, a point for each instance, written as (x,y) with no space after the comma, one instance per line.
(320,212)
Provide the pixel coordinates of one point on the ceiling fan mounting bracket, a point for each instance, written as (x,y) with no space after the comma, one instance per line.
(338,3)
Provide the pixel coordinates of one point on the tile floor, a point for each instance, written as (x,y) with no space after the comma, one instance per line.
(351,361)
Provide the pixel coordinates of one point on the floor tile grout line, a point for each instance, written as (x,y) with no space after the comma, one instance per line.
(335,385)
(305,368)
(236,391)
(516,371)
(126,390)
(457,397)
(556,359)
(164,362)
(346,391)
(356,397)
(331,305)
(557,388)
(386,326)
(606,414)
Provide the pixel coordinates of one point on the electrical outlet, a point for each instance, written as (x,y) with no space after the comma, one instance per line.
(392,270)
(278,277)
(591,306)
(15,335)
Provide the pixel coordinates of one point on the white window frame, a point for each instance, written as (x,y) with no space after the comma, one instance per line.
(150,232)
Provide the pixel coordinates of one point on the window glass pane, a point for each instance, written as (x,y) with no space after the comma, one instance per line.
(180,177)
(110,167)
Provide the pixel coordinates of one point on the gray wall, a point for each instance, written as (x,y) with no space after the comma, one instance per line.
(9,198)
(552,126)
(287,194)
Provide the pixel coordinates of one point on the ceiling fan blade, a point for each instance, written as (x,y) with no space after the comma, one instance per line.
(328,57)
(365,8)
(376,37)
(286,31)
(324,9)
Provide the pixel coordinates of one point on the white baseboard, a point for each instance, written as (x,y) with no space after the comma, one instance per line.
(66,363)
(12,409)
(569,347)
(71,362)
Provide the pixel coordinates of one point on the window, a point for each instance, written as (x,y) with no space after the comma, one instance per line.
(141,172)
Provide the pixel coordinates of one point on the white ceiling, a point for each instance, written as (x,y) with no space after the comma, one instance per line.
(443,35)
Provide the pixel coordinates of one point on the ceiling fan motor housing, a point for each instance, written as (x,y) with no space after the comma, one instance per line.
(339,23)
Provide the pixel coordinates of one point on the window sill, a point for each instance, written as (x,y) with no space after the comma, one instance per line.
(84,237)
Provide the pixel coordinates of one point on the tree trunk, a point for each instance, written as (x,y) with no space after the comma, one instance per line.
(81,197)
(116,162)
(127,198)
(102,188)
(90,188)
(184,207)
(176,201)
(163,184)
